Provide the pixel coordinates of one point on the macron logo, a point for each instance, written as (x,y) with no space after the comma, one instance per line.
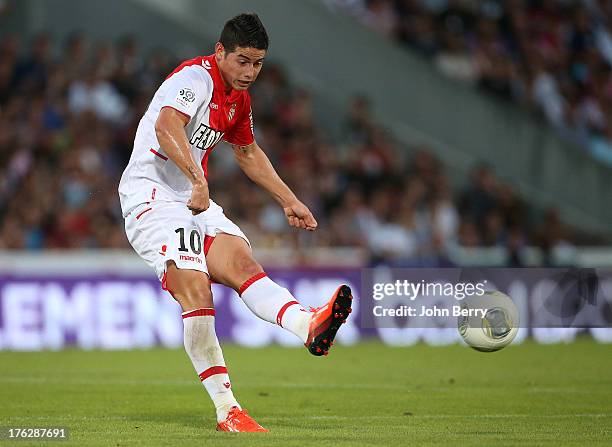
(206,64)
(190,258)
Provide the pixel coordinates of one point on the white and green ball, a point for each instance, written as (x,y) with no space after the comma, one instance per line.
(498,327)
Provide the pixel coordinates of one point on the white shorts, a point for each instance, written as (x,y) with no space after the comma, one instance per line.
(162,231)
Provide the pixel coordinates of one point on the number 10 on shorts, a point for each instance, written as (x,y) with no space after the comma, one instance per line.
(195,241)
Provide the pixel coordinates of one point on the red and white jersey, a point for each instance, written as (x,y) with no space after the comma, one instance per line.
(195,88)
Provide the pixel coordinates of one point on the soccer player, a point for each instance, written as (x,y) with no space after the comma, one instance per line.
(172,223)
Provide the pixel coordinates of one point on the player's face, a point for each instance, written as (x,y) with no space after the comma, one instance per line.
(239,68)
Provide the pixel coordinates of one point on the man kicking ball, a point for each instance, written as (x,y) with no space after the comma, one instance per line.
(180,232)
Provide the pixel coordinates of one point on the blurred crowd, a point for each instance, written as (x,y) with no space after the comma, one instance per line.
(68,115)
(552,56)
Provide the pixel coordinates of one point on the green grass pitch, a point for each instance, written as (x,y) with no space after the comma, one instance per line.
(367,394)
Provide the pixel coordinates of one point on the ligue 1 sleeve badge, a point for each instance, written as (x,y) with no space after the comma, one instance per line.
(187,94)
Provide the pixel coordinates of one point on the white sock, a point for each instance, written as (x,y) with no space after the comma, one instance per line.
(275,304)
(203,348)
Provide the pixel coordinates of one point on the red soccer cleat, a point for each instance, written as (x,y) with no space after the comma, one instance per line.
(239,421)
(327,319)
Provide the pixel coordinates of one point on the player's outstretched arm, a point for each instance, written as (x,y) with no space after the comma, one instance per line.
(170,131)
(255,164)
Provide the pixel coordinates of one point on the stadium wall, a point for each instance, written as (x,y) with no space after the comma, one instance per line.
(416,102)
(111,300)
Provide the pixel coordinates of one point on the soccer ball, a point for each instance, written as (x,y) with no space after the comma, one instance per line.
(496,329)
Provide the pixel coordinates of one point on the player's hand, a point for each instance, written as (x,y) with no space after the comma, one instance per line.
(299,216)
(200,200)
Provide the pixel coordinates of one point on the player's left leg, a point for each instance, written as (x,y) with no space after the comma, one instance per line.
(230,262)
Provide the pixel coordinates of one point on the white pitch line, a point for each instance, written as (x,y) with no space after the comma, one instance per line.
(190,382)
(417,388)
(348,418)
(437,416)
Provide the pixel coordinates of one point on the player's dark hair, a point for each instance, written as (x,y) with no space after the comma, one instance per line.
(246,31)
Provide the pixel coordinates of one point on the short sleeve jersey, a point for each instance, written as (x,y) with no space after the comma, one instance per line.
(195,89)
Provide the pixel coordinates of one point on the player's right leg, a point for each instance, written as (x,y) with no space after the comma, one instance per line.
(169,239)
(191,288)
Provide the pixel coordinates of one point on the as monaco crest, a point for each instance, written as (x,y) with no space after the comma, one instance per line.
(232,111)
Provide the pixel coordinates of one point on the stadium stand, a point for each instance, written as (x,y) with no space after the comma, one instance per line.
(68,114)
(553,57)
